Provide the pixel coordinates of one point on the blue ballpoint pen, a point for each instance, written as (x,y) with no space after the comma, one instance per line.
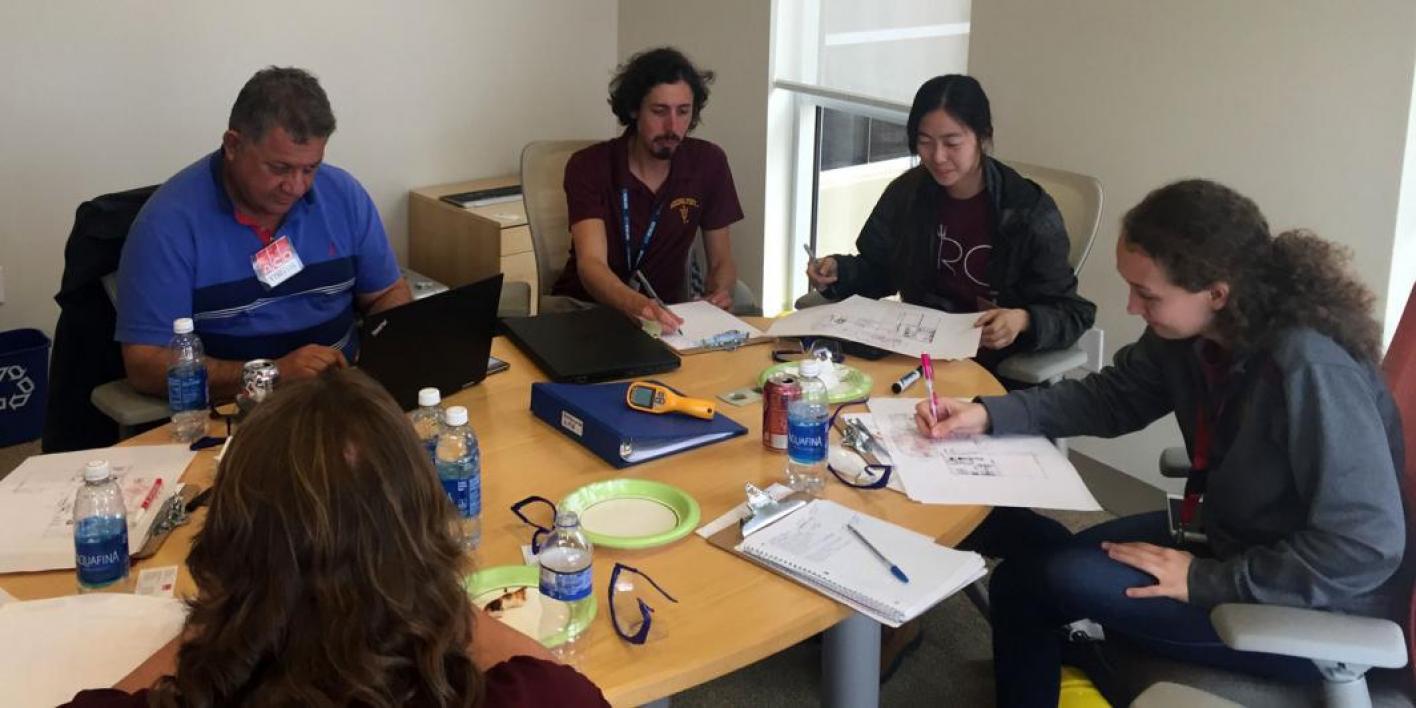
(894,569)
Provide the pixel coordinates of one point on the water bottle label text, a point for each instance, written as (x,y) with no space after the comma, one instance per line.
(101,558)
(187,390)
(806,440)
(566,587)
(466,495)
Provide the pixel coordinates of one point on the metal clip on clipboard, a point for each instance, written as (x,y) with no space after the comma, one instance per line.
(170,515)
(727,341)
(763,510)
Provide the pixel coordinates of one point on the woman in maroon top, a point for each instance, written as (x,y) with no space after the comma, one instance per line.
(327,574)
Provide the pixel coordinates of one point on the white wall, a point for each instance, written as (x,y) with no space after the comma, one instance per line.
(1303,105)
(732,38)
(105,96)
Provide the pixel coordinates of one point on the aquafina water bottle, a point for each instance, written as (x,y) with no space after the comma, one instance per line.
(428,420)
(807,419)
(186,382)
(459,464)
(566,575)
(100,530)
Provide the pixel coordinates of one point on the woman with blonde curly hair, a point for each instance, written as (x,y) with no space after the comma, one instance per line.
(327,575)
(1265,350)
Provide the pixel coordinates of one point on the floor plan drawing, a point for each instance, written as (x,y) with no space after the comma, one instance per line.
(907,329)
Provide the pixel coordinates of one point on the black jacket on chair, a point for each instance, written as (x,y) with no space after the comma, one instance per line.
(85,354)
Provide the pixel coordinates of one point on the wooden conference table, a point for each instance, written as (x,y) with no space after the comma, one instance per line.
(730,613)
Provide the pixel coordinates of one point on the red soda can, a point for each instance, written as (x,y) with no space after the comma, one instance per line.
(778,393)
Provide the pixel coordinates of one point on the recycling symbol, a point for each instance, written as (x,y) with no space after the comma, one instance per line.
(23,386)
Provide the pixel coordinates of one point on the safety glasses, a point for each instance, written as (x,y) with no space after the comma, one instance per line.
(629,613)
(541,521)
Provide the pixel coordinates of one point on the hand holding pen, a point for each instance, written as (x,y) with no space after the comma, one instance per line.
(820,271)
(655,310)
(938,418)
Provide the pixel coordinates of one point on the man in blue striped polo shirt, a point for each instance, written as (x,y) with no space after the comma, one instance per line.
(265,247)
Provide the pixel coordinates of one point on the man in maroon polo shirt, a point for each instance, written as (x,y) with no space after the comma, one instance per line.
(636,202)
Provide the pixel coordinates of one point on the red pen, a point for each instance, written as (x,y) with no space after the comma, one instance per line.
(152,494)
(928,368)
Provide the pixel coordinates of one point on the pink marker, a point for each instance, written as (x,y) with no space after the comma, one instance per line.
(928,369)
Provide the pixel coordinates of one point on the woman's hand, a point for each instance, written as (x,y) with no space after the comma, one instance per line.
(1001,327)
(955,418)
(822,272)
(1169,566)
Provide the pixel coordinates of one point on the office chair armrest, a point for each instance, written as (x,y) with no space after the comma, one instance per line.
(121,402)
(1041,367)
(1175,462)
(1311,634)
(811,299)
(515,299)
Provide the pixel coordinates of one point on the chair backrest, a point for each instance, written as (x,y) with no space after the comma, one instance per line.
(1078,197)
(1400,369)
(542,188)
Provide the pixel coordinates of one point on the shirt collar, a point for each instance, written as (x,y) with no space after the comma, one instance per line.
(619,155)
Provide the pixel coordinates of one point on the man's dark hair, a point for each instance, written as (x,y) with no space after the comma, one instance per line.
(961,97)
(647,69)
(286,97)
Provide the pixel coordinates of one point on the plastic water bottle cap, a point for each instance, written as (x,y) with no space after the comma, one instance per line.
(809,368)
(456,415)
(182,325)
(429,397)
(96,470)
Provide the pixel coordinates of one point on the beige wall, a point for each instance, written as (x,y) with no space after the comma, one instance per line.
(731,37)
(1301,104)
(105,96)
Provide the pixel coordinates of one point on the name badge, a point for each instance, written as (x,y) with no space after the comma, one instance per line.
(276,263)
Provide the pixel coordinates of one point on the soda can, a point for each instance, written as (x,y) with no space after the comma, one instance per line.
(258,378)
(778,393)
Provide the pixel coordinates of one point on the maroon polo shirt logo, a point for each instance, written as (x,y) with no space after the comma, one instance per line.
(682,205)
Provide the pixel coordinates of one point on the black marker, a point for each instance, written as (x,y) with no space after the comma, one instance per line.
(907,380)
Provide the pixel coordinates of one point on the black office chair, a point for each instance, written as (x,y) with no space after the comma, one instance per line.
(85,355)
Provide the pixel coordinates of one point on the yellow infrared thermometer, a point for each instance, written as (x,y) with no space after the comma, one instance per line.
(657,398)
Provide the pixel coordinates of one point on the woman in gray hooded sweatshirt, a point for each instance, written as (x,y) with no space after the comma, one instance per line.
(1265,350)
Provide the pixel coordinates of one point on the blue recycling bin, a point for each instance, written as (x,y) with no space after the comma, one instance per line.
(24,384)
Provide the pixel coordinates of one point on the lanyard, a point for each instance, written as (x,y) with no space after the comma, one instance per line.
(632,262)
(1207,417)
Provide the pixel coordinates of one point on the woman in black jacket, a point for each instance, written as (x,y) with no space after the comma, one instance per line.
(963,232)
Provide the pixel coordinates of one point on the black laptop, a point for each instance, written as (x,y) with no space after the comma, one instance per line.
(585,346)
(441,340)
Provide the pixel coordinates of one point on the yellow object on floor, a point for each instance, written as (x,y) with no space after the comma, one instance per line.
(1078,691)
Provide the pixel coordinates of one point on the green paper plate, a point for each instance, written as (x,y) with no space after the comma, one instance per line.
(855,385)
(502,577)
(632,513)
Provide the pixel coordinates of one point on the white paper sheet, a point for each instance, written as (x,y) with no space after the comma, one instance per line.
(1023,471)
(813,547)
(84,641)
(37,501)
(906,329)
(702,319)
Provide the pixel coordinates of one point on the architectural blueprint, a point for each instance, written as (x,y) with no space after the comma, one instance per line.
(1014,470)
(907,329)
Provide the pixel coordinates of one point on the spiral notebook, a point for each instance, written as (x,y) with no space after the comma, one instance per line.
(814,548)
